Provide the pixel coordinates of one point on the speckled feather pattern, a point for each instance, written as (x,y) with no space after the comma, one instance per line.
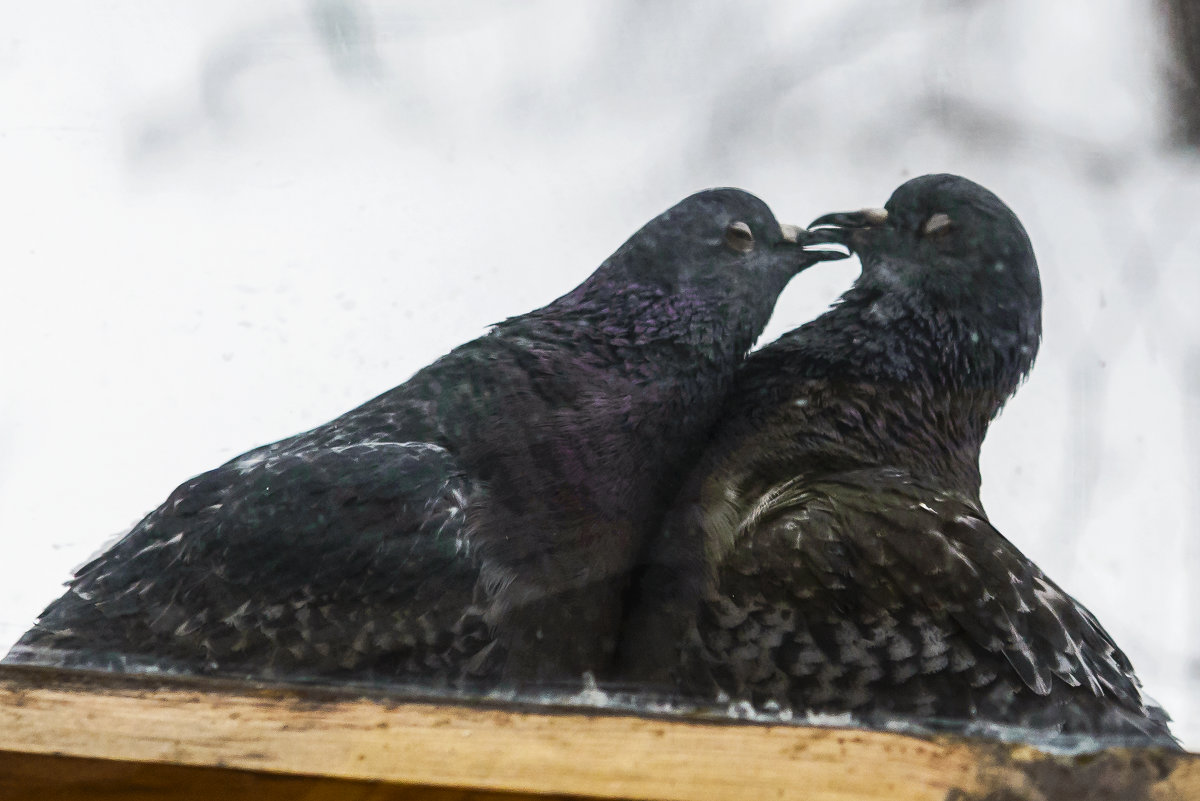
(863,592)
(830,554)
(475,524)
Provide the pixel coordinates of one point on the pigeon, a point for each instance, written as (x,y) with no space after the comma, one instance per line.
(473,526)
(829,553)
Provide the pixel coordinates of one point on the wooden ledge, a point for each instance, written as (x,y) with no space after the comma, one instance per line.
(189,736)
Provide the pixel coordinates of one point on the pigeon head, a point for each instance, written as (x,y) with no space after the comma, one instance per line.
(722,241)
(702,276)
(949,253)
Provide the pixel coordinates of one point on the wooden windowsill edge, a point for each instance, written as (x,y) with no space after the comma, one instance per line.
(346,735)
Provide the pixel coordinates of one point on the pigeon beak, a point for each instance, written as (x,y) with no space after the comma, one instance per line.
(847,228)
(795,235)
(864,218)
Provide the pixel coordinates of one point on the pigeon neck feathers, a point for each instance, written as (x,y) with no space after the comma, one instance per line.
(643,322)
(879,379)
(915,360)
(882,335)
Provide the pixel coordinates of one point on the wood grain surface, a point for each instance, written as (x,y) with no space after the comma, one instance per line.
(345,744)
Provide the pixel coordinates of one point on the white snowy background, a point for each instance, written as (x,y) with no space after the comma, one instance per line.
(222,223)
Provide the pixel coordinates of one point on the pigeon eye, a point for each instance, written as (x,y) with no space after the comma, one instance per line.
(936,225)
(739,237)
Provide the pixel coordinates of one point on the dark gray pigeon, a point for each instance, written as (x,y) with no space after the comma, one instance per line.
(474,524)
(830,553)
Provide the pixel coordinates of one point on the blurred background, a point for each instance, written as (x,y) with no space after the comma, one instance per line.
(224,223)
